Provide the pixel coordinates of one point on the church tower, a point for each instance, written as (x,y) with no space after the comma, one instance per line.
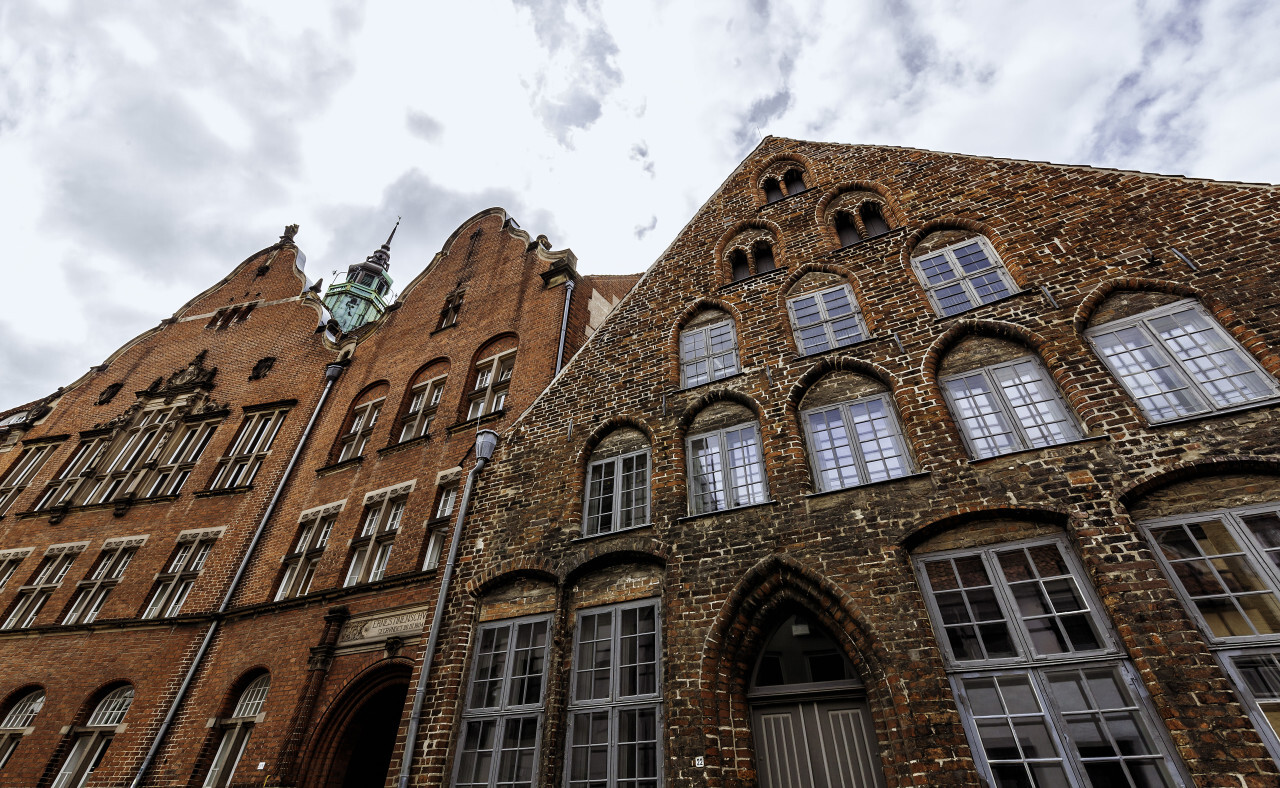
(360,298)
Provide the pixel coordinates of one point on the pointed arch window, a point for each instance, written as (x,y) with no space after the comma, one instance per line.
(235,732)
(92,740)
(16,722)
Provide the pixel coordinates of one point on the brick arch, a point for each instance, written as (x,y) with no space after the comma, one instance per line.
(232,695)
(959,223)
(784,318)
(318,751)
(378,388)
(838,364)
(890,208)
(767,163)
(63,748)
(8,701)
(723,266)
(710,398)
(1195,469)
(610,425)
(973,513)
(502,572)
(630,550)
(995,329)
(689,312)
(417,376)
(767,592)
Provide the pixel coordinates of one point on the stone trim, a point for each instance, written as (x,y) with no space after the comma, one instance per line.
(125,541)
(394,491)
(195,534)
(322,510)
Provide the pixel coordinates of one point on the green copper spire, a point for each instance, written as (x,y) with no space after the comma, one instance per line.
(359,298)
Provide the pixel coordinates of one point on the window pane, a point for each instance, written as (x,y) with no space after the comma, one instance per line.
(1052,609)
(746,474)
(706,483)
(519,745)
(595,656)
(972,620)
(1015,733)
(491,663)
(832,453)
(980,416)
(638,652)
(1261,675)
(1211,358)
(528,663)
(475,762)
(1035,404)
(879,440)
(1159,389)
(638,748)
(634,484)
(600,497)
(589,750)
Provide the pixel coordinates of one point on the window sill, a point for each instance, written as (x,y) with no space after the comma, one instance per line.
(880,483)
(739,374)
(972,309)
(631,530)
(830,350)
(454,324)
(785,198)
(1023,452)
(409,444)
(747,280)
(1185,420)
(488,418)
(338,467)
(224,491)
(691,517)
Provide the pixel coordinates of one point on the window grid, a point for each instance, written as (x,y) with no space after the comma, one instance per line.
(1009,407)
(962,276)
(708,353)
(181,458)
(371,549)
(726,470)
(618,493)
(79,467)
(16,721)
(23,470)
(365,418)
(236,732)
(615,706)
(1257,675)
(251,445)
(1176,361)
(9,565)
(174,584)
(825,320)
(504,705)
(44,581)
(424,400)
(299,564)
(92,592)
(91,742)
(133,451)
(875,450)
(493,377)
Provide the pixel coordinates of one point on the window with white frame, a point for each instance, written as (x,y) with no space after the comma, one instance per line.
(179,457)
(446,501)
(617,488)
(826,319)
(502,718)
(1008,407)
(363,419)
(708,350)
(1176,361)
(1225,565)
(299,564)
(16,722)
(91,740)
(92,592)
(235,732)
(615,708)
(174,584)
(46,579)
(371,549)
(23,470)
(493,377)
(726,469)
(435,548)
(249,448)
(1045,693)
(962,276)
(129,457)
(424,400)
(10,560)
(855,442)
(75,471)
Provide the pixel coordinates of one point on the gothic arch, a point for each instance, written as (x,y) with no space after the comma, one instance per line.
(710,398)
(722,263)
(609,426)
(894,214)
(321,751)
(840,364)
(505,571)
(766,164)
(631,550)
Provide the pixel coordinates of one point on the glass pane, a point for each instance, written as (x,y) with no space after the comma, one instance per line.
(980,416)
(1160,390)
(595,656)
(1211,358)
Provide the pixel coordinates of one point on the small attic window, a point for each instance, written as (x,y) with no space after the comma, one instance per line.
(794,181)
(738,261)
(772,191)
(764,257)
(873,220)
(846,229)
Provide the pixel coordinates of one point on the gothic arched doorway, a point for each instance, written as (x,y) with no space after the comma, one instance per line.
(357,737)
(811,723)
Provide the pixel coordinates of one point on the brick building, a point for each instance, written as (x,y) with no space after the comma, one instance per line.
(896,468)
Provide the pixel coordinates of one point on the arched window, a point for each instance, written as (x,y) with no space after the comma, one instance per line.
(360,423)
(15,723)
(235,732)
(726,463)
(424,396)
(873,219)
(763,254)
(1003,399)
(846,229)
(794,182)
(617,489)
(708,349)
(853,432)
(824,314)
(1175,360)
(92,739)
(739,265)
(772,191)
(962,275)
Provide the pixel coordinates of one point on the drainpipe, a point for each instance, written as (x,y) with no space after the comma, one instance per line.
(486,440)
(564,323)
(331,374)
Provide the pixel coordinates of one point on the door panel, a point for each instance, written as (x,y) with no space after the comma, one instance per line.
(817,744)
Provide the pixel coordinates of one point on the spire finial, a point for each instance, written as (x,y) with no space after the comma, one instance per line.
(386,247)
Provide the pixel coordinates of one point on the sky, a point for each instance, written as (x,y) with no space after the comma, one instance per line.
(146,148)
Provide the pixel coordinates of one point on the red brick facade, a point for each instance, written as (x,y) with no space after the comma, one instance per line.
(1078,249)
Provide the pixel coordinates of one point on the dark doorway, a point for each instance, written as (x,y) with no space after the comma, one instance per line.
(369,739)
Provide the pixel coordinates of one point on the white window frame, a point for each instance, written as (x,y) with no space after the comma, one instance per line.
(236,731)
(173,586)
(79,467)
(493,377)
(718,364)
(965,280)
(299,564)
(17,722)
(612,470)
(92,592)
(10,560)
(1199,399)
(827,323)
(371,547)
(29,463)
(731,499)
(93,739)
(616,703)
(1018,422)
(181,453)
(424,400)
(498,668)
(1037,668)
(44,581)
(251,445)
(854,415)
(132,453)
(364,419)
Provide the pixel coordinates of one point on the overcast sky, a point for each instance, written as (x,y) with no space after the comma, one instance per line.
(148,147)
